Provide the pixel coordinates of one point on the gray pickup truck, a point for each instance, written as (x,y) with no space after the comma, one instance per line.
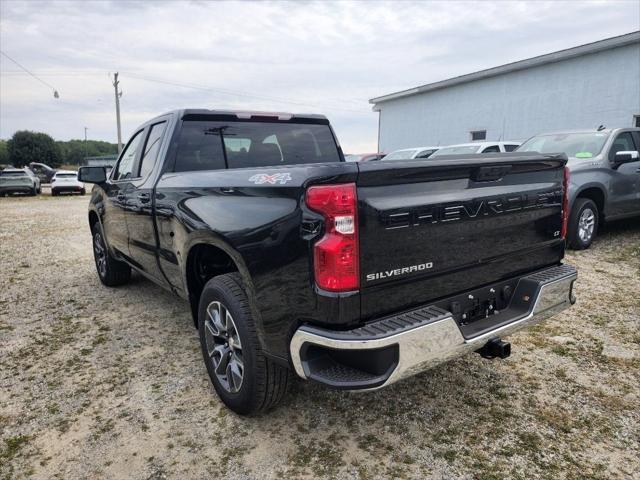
(604,166)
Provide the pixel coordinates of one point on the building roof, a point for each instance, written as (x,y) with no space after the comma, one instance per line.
(606,44)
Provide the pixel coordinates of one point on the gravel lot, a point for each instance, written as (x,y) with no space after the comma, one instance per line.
(109,383)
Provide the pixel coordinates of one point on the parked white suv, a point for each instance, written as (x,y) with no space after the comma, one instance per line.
(66,181)
(477,147)
(18,180)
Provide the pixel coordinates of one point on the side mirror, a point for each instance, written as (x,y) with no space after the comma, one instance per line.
(92,174)
(625,157)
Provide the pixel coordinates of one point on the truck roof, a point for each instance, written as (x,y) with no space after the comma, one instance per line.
(246,114)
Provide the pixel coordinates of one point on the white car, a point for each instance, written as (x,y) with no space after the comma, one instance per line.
(411,153)
(477,147)
(18,180)
(66,181)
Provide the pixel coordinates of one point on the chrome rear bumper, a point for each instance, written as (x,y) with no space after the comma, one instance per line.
(421,339)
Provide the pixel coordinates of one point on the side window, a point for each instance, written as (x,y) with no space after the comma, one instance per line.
(151,149)
(199,148)
(510,147)
(491,149)
(128,159)
(622,143)
(425,153)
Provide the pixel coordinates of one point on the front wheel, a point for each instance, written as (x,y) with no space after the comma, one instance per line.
(245,379)
(583,224)
(83,192)
(111,272)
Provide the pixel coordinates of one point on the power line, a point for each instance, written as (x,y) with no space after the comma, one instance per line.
(230,92)
(55,92)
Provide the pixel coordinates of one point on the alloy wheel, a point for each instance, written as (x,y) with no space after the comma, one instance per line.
(224,347)
(586,224)
(100,254)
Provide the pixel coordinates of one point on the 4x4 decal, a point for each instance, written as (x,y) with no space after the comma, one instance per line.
(273,179)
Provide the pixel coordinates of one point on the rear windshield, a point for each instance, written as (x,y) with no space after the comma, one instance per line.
(215,145)
(579,145)
(66,175)
(13,174)
(456,150)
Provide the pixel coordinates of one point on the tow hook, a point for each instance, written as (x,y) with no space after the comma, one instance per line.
(495,348)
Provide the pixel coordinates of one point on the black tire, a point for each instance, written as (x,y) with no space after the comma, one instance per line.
(583,224)
(111,272)
(33,192)
(54,193)
(83,192)
(263,383)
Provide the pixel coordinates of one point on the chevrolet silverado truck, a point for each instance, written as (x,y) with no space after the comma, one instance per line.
(604,166)
(353,275)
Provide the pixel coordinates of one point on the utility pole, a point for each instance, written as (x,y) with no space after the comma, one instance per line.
(116,84)
(86,152)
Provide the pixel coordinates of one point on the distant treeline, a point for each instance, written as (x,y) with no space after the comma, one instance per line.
(26,147)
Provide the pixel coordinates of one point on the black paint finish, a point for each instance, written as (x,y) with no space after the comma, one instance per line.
(442,212)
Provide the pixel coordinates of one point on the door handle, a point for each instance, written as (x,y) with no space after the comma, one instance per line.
(144,197)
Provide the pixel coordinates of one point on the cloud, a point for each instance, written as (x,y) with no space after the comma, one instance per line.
(327,57)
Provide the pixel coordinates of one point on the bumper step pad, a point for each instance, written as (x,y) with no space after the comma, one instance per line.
(394,347)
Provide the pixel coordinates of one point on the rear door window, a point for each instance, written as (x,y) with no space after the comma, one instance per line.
(151,149)
(510,147)
(215,145)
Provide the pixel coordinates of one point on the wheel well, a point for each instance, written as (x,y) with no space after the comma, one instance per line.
(93,219)
(597,195)
(203,263)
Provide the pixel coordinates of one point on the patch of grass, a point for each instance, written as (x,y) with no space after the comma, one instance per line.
(13,445)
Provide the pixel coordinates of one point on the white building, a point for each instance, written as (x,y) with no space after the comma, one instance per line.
(582,87)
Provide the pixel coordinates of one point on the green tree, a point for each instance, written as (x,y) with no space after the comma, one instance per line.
(4,153)
(74,151)
(26,147)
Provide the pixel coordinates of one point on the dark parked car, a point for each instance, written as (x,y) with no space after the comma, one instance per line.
(605,176)
(44,172)
(354,275)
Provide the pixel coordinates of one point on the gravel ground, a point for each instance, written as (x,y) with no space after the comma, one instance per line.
(109,383)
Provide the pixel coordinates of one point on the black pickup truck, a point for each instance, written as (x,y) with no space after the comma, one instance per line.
(354,275)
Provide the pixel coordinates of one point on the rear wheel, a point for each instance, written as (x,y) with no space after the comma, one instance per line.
(245,379)
(83,192)
(53,193)
(111,272)
(583,224)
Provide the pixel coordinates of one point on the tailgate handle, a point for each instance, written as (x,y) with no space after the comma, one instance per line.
(490,173)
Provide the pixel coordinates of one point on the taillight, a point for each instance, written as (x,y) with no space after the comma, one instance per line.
(335,258)
(565,202)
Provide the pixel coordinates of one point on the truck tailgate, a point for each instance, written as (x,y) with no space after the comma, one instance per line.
(434,228)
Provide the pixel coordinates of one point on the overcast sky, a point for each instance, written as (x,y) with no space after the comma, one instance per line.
(328,58)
